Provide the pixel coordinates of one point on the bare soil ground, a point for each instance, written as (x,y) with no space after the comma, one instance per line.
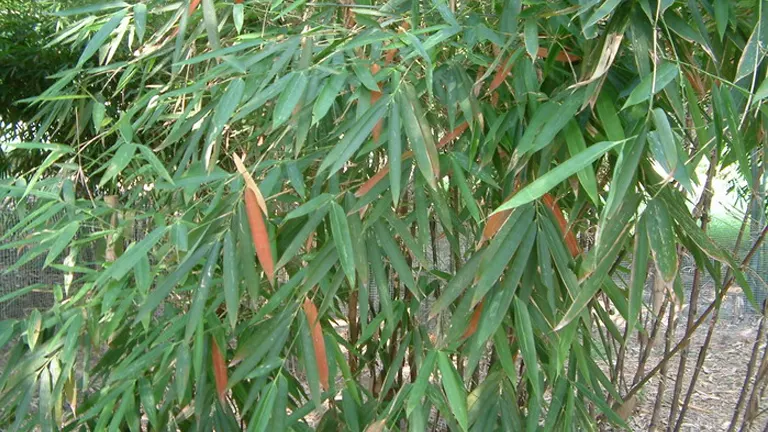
(721,378)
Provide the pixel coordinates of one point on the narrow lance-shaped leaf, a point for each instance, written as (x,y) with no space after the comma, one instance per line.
(318,342)
(394,148)
(454,390)
(420,137)
(343,241)
(570,238)
(231,279)
(545,183)
(639,273)
(219,369)
(661,238)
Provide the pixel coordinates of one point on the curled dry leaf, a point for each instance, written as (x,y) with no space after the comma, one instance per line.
(219,369)
(317,341)
(250,183)
(570,239)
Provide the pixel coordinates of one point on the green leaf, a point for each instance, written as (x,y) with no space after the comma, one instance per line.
(576,144)
(155,162)
(500,252)
(466,192)
(665,74)
(343,241)
(197,310)
(164,288)
(422,381)
(524,331)
(639,273)
(419,135)
(237,16)
(394,151)
(721,16)
(90,9)
(119,161)
(661,238)
(140,19)
(753,53)
(100,37)
(352,140)
(97,115)
(666,137)
(6,331)
(601,12)
(364,75)
(289,98)
(62,241)
(531,32)
(545,183)
(34,326)
(328,94)
(548,120)
(263,413)
(310,206)
(396,259)
(211,24)
(231,279)
(454,390)
(183,361)
(301,237)
(228,103)
(134,253)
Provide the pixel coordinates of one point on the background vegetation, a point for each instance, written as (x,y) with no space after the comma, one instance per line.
(301,169)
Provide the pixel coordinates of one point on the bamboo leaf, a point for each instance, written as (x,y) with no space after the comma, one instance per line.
(394,148)
(343,241)
(219,369)
(545,183)
(454,390)
(652,84)
(661,238)
(63,238)
(231,279)
(259,235)
(289,98)
(420,136)
(101,36)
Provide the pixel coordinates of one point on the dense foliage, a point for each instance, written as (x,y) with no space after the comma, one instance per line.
(303,168)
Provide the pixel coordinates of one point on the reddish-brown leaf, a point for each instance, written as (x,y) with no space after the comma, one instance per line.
(570,239)
(390,56)
(193,6)
(317,341)
(260,235)
(478,83)
(562,56)
(371,182)
(453,135)
(219,369)
(380,174)
(501,74)
(472,327)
